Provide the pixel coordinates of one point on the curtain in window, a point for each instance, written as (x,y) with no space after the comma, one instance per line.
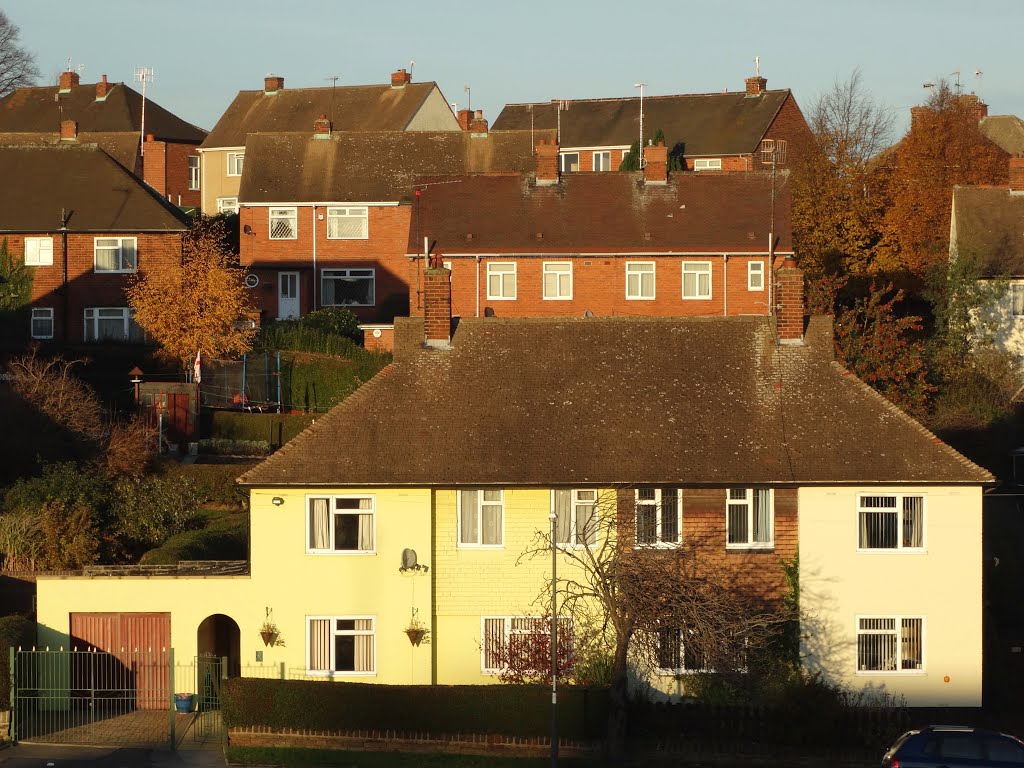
(106,254)
(365,526)
(563,523)
(491,517)
(913,521)
(469,531)
(762,515)
(319,524)
(320,645)
(364,646)
(586,521)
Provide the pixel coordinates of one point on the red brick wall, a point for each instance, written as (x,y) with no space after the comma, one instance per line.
(587,159)
(154,165)
(165,169)
(789,124)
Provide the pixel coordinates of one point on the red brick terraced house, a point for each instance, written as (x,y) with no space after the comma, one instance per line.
(645,243)
(86,226)
(110,115)
(728,131)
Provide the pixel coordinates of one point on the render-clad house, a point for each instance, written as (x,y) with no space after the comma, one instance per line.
(645,243)
(86,226)
(149,141)
(728,131)
(401,105)
(742,432)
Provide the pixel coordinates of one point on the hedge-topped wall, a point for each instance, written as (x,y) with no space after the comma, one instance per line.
(510,710)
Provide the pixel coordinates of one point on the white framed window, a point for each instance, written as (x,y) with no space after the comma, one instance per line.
(501,280)
(1017,299)
(755,275)
(640,280)
(193,172)
(557,280)
(707,164)
(38,251)
(749,518)
(696,279)
(341,644)
(341,525)
(350,223)
(235,162)
(481,518)
(568,162)
(284,223)
(891,522)
(115,254)
(42,323)
(112,324)
(602,161)
(575,516)
(658,517)
(523,642)
(227,205)
(890,644)
(677,657)
(348,287)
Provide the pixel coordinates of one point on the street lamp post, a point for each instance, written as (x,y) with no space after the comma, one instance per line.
(553,517)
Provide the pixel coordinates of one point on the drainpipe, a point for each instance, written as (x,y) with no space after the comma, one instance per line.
(314,262)
(771,274)
(478,285)
(64,274)
(725,285)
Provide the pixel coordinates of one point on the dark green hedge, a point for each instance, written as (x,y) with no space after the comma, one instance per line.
(275,428)
(15,632)
(511,710)
(213,482)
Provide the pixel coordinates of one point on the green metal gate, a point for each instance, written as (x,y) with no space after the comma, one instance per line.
(211,671)
(93,697)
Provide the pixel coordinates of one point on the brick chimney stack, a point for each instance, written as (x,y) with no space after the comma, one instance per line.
(478,124)
(273,84)
(547,163)
(1017,175)
(789,302)
(974,106)
(400,78)
(322,127)
(656,164)
(102,89)
(465,117)
(437,307)
(756,85)
(68,80)
(68,130)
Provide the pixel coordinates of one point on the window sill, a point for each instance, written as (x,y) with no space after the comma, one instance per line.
(891,551)
(362,237)
(38,263)
(696,298)
(556,298)
(659,545)
(501,298)
(294,237)
(640,298)
(891,672)
(341,552)
(336,673)
(755,548)
(115,271)
(470,547)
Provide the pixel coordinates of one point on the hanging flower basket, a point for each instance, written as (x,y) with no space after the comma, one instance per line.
(269,636)
(416,634)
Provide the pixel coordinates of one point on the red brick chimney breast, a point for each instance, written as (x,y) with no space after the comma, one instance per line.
(1017,174)
(437,307)
(465,117)
(478,124)
(102,89)
(322,127)
(273,84)
(400,78)
(656,164)
(68,80)
(68,130)
(547,163)
(756,85)
(789,302)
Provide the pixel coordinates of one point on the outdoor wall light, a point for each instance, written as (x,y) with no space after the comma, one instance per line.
(277,501)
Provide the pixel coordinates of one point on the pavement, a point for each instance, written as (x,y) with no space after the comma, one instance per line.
(189,754)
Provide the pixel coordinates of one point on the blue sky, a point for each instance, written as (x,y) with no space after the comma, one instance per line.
(203,53)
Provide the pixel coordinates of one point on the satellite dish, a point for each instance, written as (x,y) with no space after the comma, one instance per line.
(408,559)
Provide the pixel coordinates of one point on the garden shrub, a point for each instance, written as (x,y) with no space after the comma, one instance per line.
(149,510)
(213,483)
(223,447)
(274,428)
(334,320)
(15,632)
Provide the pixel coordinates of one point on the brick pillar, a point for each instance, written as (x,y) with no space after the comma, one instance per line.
(1017,174)
(273,84)
(656,164)
(68,80)
(478,124)
(68,130)
(756,85)
(789,302)
(102,88)
(437,307)
(547,163)
(400,78)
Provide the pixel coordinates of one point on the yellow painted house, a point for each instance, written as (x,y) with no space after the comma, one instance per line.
(414,500)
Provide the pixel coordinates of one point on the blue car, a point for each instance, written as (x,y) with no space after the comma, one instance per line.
(954,746)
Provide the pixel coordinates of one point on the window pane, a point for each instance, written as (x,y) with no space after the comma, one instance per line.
(469,531)
(319,524)
(562,501)
(762,516)
(492,523)
(911,644)
(913,521)
(668,648)
(320,645)
(737,524)
(646,524)
(586,524)
(669,515)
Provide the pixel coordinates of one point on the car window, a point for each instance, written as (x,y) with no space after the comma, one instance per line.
(1004,750)
(961,745)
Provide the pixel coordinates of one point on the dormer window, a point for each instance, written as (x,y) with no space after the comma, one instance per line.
(707,164)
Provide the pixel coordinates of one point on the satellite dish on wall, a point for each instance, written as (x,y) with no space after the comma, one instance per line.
(408,559)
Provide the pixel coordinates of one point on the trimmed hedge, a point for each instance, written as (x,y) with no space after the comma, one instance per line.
(317,383)
(510,710)
(273,428)
(214,483)
(223,538)
(15,631)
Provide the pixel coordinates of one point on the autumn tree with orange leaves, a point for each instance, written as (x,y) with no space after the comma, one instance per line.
(200,303)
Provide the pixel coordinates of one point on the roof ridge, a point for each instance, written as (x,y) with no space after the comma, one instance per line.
(597,99)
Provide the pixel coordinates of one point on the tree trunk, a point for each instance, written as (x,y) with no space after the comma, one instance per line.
(618,702)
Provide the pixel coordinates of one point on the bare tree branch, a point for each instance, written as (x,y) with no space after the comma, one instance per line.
(17,65)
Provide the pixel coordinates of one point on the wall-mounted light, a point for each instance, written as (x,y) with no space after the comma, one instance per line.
(277,501)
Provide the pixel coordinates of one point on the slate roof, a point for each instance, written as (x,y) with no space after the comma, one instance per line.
(706,124)
(606,212)
(100,195)
(1005,131)
(41,110)
(989,225)
(605,401)
(351,108)
(370,166)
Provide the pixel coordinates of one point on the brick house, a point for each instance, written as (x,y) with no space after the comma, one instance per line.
(726,131)
(86,226)
(645,243)
(109,114)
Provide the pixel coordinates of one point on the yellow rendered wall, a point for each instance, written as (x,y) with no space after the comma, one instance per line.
(944,585)
(214,178)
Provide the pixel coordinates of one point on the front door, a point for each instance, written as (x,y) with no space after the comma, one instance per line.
(287,295)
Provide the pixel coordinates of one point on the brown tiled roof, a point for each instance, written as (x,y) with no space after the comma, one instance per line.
(989,224)
(351,108)
(606,212)
(1005,131)
(370,167)
(123,147)
(99,194)
(41,110)
(705,124)
(604,401)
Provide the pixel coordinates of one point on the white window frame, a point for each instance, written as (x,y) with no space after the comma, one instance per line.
(194,173)
(348,214)
(227,205)
(480,503)
(1016,294)
(505,272)
(335,632)
(656,503)
(127,321)
(333,512)
(755,275)
(637,269)
(564,166)
(681,668)
(603,158)
(355,273)
(707,164)
(121,260)
(43,314)
(697,269)
(902,636)
(235,163)
(288,215)
(747,505)
(898,510)
(558,270)
(509,629)
(578,497)
(38,251)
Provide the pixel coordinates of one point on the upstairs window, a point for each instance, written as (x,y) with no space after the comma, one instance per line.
(640,280)
(115,254)
(1017,299)
(749,518)
(235,162)
(890,522)
(501,280)
(658,517)
(227,205)
(193,172)
(38,251)
(481,518)
(284,224)
(575,517)
(755,275)
(348,287)
(569,162)
(347,223)
(339,524)
(696,279)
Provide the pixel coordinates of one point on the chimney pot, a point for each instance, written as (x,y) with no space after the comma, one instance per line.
(273,84)
(756,85)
